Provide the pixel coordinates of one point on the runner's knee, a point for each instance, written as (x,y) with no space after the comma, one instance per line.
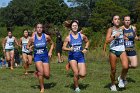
(47,75)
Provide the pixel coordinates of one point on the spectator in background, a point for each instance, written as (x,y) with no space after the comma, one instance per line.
(17,57)
(59,45)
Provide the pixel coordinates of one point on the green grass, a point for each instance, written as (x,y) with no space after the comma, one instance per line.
(96,81)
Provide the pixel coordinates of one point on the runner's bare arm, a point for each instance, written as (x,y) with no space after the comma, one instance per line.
(85,39)
(109,38)
(3,43)
(20,42)
(30,43)
(16,41)
(66,41)
(51,43)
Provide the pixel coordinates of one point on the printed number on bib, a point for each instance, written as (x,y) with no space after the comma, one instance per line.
(10,43)
(129,44)
(25,47)
(119,42)
(77,48)
(40,51)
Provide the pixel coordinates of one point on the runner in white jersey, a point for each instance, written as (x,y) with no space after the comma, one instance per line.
(26,54)
(117,49)
(8,47)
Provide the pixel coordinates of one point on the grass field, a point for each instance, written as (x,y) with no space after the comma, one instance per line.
(96,81)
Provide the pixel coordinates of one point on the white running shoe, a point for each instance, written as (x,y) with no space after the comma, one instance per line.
(119,78)
(16,64)
(77,90)
(124,81)
(121,83)
(113,88)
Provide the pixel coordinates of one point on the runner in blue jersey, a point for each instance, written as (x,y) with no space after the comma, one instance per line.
(26,54)
(41,54)
(8,48)
(76,52)
(131,36)
(117,49)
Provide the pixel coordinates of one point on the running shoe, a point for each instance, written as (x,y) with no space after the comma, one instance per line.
(121,83)
(77,90)
(124,81)
(113,88)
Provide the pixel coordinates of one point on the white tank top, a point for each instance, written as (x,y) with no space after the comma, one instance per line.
(9,43)
(118,43)
(24,44)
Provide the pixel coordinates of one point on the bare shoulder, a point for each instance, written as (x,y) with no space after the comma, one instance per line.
(133,27)
(122,27)
(109,30)
(47,36)
(6,38)
(67,39)
(13,37)
(31,39)
(21,38)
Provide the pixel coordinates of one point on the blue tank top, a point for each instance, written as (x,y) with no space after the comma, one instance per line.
(40,45)
(131,36)
(76,43)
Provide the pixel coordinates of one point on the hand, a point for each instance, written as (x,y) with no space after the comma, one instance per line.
(117,34)
(71,49)
(126,38)
(84,51)
(50,54)
(30,49)
(3,50)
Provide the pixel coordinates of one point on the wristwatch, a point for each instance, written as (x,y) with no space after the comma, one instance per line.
(114,37)
(86,48)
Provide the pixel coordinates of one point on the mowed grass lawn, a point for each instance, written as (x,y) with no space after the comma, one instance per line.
(96,81)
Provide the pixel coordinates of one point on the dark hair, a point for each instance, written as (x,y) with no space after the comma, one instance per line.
(38,23)
(76,21)
(126,16)
(25,30)
(114,16)
(43,31)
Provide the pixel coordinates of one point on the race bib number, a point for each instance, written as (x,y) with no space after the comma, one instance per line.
(11,44)
(25,47)
(119,42)
(129,44)
(40,51)
(76,48)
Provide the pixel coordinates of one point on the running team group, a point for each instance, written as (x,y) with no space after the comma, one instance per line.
(121,39)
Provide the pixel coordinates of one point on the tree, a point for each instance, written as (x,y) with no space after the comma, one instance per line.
(50,11)
(102,14)
(130,5)
(18,13)
(28,12)
(137,11)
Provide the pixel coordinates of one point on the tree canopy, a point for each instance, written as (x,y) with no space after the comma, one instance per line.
(93,13)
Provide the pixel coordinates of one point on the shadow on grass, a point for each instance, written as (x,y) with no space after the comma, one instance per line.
(70,74)
(31,71)
(46,85)
(81,86)
(130,80)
